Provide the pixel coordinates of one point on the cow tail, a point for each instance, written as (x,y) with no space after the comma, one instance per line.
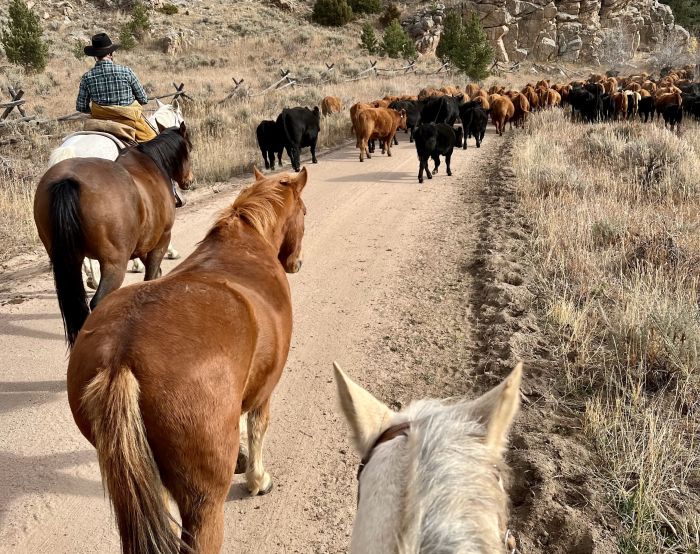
(129,471)
(67,254)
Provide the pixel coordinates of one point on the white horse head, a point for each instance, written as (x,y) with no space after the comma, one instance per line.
(166,115)
(431,480)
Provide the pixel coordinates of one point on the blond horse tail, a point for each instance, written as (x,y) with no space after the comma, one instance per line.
(129,471)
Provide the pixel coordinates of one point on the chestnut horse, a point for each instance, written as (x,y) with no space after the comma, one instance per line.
(161,373)
(111,211)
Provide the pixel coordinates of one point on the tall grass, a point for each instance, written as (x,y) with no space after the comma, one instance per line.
(616,212)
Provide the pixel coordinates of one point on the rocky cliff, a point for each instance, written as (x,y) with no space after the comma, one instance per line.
(570,30)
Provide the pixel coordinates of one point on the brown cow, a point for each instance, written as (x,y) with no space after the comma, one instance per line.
(481,94)
(502,110)
(668,99)
(620,104)
(331,104)
(522,108)
(380,104)
(354,112)
(532,97)
(471,89)
(553,98)
(378,123)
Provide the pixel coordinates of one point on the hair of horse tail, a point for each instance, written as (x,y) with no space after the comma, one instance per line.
(67,254)
(129,471)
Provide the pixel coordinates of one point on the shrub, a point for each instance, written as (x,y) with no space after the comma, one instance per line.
(466,46)
(139,20)
(396,43)
(126,37)
(21,38)
(332,13)
(168,9)
(366,6)
(390,13)
(368,40)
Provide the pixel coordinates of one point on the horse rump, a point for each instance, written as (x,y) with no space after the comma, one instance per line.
(67,254)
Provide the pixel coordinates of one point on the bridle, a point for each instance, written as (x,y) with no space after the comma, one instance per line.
(402,430)
(398,430)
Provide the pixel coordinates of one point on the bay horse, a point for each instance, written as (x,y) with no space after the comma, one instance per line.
(430,476)
(111,211)
(162,371)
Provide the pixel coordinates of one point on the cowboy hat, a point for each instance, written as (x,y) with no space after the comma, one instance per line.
(101,46)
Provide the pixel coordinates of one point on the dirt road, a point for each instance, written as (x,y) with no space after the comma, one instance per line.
(370,232)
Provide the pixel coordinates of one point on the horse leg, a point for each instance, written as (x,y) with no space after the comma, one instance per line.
(155,257)
(111,279)
(242,460)
(259,481)
(92,272)
(203,523)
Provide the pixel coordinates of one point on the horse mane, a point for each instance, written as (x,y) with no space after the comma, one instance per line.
(256,206)
(453,482)
(167,150)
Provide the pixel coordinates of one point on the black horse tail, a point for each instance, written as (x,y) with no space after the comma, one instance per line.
(67,254)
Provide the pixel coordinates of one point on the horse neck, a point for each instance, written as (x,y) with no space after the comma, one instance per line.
(435,490)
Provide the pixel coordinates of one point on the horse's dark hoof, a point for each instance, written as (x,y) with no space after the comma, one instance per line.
(241,462)
(268,490)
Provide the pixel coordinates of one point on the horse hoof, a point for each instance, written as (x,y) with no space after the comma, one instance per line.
(261,488)
(137,267)
(241,462)
(172,255)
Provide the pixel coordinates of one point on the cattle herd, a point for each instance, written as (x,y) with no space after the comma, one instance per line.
(438,120)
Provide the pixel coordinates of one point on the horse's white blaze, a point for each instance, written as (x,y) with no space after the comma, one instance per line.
(439,488)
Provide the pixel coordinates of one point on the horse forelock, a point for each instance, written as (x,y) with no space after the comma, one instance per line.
(453,499)
(168,150)
(257,206)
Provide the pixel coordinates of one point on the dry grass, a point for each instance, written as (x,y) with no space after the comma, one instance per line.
(252,42)
(616,212)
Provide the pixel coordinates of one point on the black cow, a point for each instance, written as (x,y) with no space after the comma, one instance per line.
(441,109)
(588,104)
(673,115)
(432,141)
(466,116)
(647,107)
(413,110)
(299,128)
(477,126)
(270,143)
(691,105)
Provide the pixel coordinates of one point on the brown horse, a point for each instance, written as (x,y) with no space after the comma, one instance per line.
(161,373)
(111,211)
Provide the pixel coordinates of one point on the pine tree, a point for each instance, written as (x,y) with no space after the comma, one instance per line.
(466,46)
(396,43)
(366,6)
(368,40)
(332,13)
(21,38)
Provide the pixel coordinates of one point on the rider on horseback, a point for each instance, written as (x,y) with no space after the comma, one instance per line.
(113,92)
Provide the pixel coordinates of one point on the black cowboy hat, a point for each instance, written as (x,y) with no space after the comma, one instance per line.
(101,46)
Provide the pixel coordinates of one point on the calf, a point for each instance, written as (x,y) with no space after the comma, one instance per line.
(502,110)
(466,115)
(647,107)
(673,115)
(378,123)
(269,142)
(299,128)
(331,105)
(432,141)
(477,126)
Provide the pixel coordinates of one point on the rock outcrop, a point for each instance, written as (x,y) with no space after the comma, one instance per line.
(571,30)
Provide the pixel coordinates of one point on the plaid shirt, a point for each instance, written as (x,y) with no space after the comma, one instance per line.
(109,84)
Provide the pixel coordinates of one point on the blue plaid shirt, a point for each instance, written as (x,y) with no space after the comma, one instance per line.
(109,84)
